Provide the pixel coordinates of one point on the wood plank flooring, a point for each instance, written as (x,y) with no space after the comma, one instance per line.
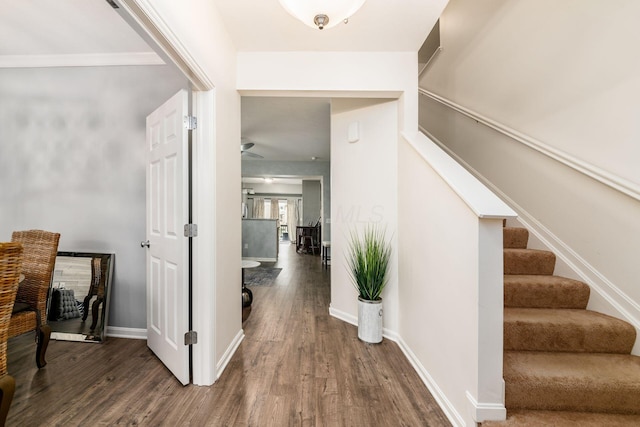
(297,366)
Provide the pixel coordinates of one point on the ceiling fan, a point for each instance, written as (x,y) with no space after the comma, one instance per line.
(244,150)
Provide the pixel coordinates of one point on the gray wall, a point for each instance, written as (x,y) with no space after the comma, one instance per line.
(260,239)
(305,169)
(72,160)
(311,203)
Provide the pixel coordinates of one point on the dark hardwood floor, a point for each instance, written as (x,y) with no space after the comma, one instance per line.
(297,366)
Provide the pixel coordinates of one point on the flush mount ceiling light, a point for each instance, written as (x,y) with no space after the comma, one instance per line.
(322,13)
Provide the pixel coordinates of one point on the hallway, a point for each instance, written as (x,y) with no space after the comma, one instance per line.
(296,366)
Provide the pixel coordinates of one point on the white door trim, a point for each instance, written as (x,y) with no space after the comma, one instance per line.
(204,259)
(142,17)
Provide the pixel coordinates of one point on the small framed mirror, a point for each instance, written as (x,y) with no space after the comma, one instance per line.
(78,307)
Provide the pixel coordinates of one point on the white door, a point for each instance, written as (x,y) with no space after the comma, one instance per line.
(167,248)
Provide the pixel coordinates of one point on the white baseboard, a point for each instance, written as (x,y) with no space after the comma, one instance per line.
(131,333)
(353,320)
(228,354)
(344,316)
(486,411)
(446,406)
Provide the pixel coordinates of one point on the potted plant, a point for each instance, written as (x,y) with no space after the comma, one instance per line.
(368,262)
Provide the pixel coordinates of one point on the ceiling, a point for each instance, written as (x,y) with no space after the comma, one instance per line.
(65,27)
(293,129)
(380,25)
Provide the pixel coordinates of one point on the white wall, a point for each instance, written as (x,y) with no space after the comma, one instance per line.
(352,74)
(325,74)
(364,187)
(566,74)
(72,160)
(552,84)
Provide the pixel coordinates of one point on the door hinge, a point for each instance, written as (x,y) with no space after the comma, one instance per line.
(190,122)
(190,338)
(191,230)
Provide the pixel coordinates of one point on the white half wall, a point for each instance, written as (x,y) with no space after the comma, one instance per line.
(450,282)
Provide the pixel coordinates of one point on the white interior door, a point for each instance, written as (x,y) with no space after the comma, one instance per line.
(167,249)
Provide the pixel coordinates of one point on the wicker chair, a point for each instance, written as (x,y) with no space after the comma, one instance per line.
(30,309)
(10,267)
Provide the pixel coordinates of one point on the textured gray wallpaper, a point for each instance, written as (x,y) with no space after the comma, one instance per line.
(72,160)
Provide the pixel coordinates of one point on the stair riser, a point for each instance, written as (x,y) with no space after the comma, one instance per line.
(564,397)
(545,296)
(562,360)
(528,262)
(515,237)
(551,337)
(526,418)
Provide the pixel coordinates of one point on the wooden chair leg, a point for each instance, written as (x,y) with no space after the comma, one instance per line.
(95,308)
(7,388)
(85,307)
(44,334)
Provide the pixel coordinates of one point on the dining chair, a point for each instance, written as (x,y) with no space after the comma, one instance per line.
(30,308)
(10,267)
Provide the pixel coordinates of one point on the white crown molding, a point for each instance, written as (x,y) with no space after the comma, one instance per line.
(146,16)
(80,60)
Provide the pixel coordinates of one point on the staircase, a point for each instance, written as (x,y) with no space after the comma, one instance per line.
(564,365)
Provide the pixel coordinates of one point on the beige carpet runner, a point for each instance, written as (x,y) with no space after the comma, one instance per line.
(564,365)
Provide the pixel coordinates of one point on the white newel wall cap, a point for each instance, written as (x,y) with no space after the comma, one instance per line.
(483,202)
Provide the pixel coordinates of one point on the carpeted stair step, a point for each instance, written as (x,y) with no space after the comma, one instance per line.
(515,237)
(538,291)
(566,330)
(528,261)
(577,382)
(523,418)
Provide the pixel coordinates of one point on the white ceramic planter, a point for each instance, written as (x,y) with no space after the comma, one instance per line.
(370,320)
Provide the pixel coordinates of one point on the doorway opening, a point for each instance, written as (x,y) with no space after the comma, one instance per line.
(286,178)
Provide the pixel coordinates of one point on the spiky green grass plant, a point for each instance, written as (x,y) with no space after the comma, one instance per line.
(368,262)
